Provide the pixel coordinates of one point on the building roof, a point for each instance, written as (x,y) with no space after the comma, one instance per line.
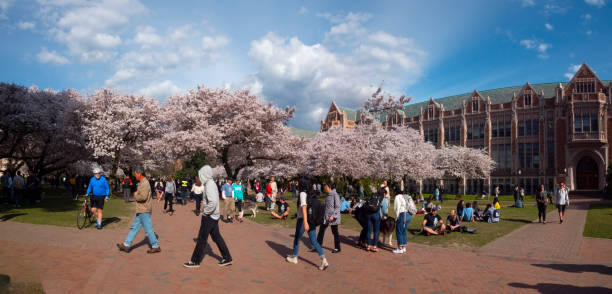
(352,114)
(303,132)
(497,96)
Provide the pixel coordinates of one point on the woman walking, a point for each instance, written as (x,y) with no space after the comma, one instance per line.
(302,225)
(562,201)
(332,216)
(198,191)
(170,192)
(541,201)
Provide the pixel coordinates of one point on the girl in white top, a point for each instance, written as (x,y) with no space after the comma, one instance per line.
(198,192)
(401,211)
(562,201)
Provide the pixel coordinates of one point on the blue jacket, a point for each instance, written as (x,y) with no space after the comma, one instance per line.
(98,187)
(468,213)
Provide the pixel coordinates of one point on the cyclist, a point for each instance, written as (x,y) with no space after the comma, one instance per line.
(98,188)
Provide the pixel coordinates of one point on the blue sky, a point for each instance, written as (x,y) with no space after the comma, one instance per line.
(301,53)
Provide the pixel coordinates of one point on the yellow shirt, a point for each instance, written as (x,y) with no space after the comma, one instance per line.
(497,206)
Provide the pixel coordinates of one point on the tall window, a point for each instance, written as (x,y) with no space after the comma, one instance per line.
(527,99)
(528,128)
(586,122)
(475,105)
(431,112)
(550,149)
(585,87)
(529,155)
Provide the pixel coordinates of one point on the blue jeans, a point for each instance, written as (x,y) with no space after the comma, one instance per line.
(142,220)
(312,235)
(403,220)
(373,223)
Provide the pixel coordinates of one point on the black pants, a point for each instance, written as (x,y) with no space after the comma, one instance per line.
(364,226)
(239,205)
(210,227)
(334,229)
(168,200)
(542,211)
(198,200)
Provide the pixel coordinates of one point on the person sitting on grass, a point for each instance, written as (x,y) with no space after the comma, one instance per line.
(432,223)
(488,214)
(477,212)
(452,221)
(468,213)
(345,206)
(460,207)
(283,209)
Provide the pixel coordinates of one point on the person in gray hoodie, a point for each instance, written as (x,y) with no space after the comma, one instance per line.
(332,215)
(210,222)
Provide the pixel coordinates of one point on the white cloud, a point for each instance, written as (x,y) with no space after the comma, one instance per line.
(26,25)
(147,36)
(4,6)
(303,10)
(309,76)
(160,90)
(549,27)
(177,50)
(598,3)
(528,3)
(537,45)
(90,30)
(572,70)
(46,56)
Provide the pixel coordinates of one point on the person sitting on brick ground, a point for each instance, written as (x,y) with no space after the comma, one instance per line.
(432,223)
(452,221)
(283,209)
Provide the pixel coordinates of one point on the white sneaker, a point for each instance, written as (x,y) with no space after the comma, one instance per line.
(404,250)
(324,264)
(398,251)
(292,259)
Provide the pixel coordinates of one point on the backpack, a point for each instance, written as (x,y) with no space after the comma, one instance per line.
(410,206)
(373,203)
(495,217)
(315,211)
(519,203)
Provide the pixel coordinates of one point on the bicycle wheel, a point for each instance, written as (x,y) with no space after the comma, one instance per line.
(82,217)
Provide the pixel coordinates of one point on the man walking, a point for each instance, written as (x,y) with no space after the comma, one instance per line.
(210,222)
(332,216)
(98,188)
(227,193)
(143,216)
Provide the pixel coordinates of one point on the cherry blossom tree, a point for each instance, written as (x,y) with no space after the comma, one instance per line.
(464,163)
(118,126)
(233,128)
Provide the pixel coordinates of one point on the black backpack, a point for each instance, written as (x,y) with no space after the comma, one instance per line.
(315,211)
(373,203)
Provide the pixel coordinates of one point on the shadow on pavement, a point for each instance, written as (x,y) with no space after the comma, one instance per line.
(579,268)
(110,220)
(546,288)
(5,281)
(144,241)
(517,220)
(10,216)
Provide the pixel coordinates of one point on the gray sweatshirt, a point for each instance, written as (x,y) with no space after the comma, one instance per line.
(210,199)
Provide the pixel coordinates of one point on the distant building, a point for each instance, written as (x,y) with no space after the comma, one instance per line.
(537,134)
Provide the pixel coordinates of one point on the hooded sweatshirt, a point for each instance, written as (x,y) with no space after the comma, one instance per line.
(210,199)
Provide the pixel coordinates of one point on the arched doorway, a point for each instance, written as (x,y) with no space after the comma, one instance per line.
(587,174)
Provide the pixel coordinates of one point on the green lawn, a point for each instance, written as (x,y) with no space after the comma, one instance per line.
(511,219)
(598,221)
(7,286)
(59,209)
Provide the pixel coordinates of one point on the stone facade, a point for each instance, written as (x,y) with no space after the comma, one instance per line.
(537,134)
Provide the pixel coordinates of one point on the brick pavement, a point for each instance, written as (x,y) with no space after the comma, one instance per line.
(551,241)
(70,261)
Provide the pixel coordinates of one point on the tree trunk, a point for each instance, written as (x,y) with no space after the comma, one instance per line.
(113,172)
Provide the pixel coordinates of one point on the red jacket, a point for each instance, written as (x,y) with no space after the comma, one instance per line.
(268,190)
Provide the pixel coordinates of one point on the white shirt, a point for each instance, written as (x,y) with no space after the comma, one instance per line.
(399,205)
(197,189)
(562,197)
(302,203)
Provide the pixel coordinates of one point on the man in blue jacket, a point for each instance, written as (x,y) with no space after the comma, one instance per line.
(99,190)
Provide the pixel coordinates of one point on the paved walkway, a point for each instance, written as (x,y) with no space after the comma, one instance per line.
(67,260)
(553,241)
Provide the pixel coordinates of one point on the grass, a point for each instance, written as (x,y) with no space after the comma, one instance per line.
(510,220)
(59,209)
(6,286)
(598,221)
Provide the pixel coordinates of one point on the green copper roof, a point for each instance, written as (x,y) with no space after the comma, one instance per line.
(303,132)
(351,114)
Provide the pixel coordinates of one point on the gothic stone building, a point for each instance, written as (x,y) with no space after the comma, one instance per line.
(537,134)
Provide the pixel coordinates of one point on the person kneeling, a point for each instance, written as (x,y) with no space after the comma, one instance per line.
(283,209)
(452,222)
(432,223)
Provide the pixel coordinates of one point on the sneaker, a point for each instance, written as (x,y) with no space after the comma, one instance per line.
(225,262)
(404,249)
(124,248)
(398,251)
(324,264)
(154,250)
(335,250)
(292,259)
(190,264)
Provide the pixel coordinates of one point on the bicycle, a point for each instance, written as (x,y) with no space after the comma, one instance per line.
(84,213)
